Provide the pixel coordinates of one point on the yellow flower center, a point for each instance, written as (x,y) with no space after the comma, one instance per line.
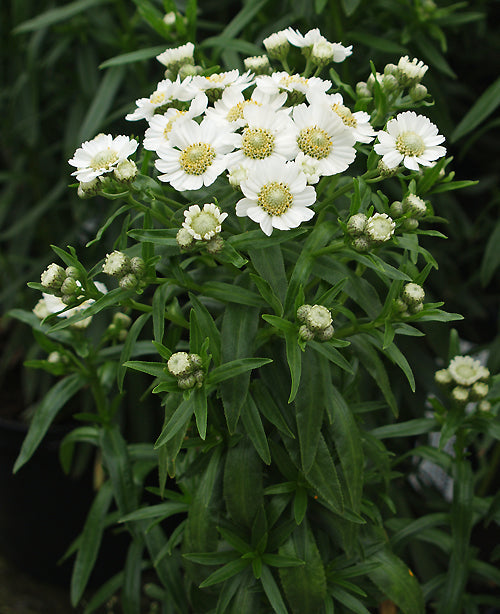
(236,112)
(275,198)
(345,115)
(104,159)
(257,143)
(196,158)
(157,97)
(314,142)
(169,125)
(410,144)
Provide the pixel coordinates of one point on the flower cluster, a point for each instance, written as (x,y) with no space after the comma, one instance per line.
(317,322)
(367,232)
(411,300)
(187,369)
(128,271)
(465,379)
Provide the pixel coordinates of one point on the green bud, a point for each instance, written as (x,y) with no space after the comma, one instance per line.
(128,282)
(305,333)
(69,286)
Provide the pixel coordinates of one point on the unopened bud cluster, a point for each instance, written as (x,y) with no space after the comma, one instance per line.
(128,271)
(62,283)
(411,208)
(465,379)
(367,232)
(187,368)
(411,300)
(316,323)
(202,225)
(395,79)
(118,329)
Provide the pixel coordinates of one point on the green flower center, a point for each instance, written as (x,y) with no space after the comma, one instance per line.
(257,143)
(410,144)
(315,142)
(196,158)
(345,115)
(275,198)
(104,159)
(204,223)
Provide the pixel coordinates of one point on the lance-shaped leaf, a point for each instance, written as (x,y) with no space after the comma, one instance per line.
(234,368)
(177,421)
(250,416)
(324,479)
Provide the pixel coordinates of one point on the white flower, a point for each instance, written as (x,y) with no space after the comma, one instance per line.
(358,122)
(409,72)
(297,39)
(324,52)
(466,370)
(277,44)
(232,103)
(380,227)
(203,224)
(269,134)
(160,125)
(277,197)
(309,166)
(101,155)
(54,304)
(323,137)
(237,174)
(282,81)
(220,81)
(166,92)
(53,277)
(178,56)
(412,139)
(195,154)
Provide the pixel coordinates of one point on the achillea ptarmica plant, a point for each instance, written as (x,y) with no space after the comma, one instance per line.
(187,368)
(317,322)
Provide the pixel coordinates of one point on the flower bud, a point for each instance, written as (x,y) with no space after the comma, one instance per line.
(68,299)
(484,405)
(410,224)
(356,224)
(362,90)
(73,272)
(400,306)
(318,318)
(88,189)
(466,370)
(186,382)
(389,83)
(55,358)
(117,264)
(215,245)
(326,334)
(385,171)
(417,92)
(460,395)
(70,286)
(122,320)
(184,238)
(179,364)
(396,209)
(390,69)
(137,266)
(258,64)
(380,228)
(53,277)
(188,71)
(128,282)
(479,390)
(303,312)
(277,45)
(413,294)
(443,377)
(305,333)
(414,205)
(125,171)
(361,244)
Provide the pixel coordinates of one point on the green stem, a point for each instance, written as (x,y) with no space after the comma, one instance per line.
(335,246)
(156,214)
(369,175)
(492,471)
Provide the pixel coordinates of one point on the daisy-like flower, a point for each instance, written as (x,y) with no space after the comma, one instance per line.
(323,137)
(203,224)
(318,44)
(230,107)
(412,139)
(410,72)
(297,39)
(277,197)
(160,125)
(167,92)
(466,370)
(174,58)
(101,155)
(284,82)
(269,134)
(214,85)
(358,122)
(380,227)
(195,154)
(309,166)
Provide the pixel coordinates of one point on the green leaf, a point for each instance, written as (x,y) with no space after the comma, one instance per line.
(272,591)
(224,573)
(200,411)
(117,463)
(209,328)
(90,542)
(157,369)
(55,399)
(230,256)
(378,42)
(131,592)
(159,301)
(227,293)
(252,423)
(234,368)
(324,479)
(351,602)
(239,327)
(491,258)
(133,56)
(309,410)
(269,408)
(153,512)
(294,360)
(280,323)
(53,16)
(109,220)
(268,263)
(350,6)
(177,421)
(484,106)
(326,349)
(87,434)
(253,239)
(128,347)
(397,582)
(267,294)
